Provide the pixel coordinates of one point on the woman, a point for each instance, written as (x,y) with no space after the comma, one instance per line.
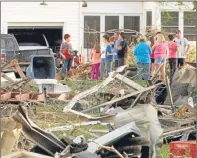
(172,58)
(66,53)
(142,52)
(95,56)
(160,52)
(152,40)
(102,60)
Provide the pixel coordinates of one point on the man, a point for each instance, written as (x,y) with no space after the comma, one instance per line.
(122,50)
(183,48)
(116,43)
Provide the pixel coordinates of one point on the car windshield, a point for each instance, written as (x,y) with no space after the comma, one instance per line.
(30,39)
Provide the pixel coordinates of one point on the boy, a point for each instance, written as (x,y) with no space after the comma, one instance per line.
(109,55)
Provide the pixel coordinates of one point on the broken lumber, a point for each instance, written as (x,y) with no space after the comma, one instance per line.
(121,98)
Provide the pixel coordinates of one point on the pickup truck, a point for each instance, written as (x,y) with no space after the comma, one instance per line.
(10,50)
(31,40)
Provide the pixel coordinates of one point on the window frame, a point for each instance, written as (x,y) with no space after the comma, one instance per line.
(84,32)
(173,26)
(188,26)
(146,18)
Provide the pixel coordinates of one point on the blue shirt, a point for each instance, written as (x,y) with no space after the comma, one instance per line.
(116,43)
(109,50)
(142,52)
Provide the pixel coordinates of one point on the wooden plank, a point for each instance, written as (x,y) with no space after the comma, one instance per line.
(121,98)
(129,82)
(6,96)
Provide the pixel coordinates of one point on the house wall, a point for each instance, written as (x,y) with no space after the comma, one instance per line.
(32,13)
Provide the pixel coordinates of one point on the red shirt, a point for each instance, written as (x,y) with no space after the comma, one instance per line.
(173,47)
(152,55)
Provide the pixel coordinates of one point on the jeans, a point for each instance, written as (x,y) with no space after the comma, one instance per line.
(173,65)
(143,71)
(102,68)
(108,66)
(67,64)
(121,61)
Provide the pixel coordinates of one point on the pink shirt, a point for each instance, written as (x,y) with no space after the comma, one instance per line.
(160,50)
(95,57)
(173,47)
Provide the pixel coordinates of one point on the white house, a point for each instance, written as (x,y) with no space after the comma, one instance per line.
(58,18)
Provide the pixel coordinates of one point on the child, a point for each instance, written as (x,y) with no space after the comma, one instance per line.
(172,58)
(142,52)
(95,56)
(109,55)
(152,40)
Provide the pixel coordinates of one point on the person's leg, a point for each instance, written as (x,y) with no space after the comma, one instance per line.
(120,62)
(63,71)
(146,68)
(116,63)
(107,65)
(70,64)
(152,67)
(182,62)
(157,65)
(162,73)
(92,71)
(139,71)
(102,68)
(97,71)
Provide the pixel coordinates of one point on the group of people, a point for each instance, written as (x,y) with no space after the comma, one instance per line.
(108,57)
(153,56)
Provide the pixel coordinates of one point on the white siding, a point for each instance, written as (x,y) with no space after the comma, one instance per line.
(32,12)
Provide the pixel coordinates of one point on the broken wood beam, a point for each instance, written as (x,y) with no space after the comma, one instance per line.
(121,98)
(166,134)
(170,94)
(129,82)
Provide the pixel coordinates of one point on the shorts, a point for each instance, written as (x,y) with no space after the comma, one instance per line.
(159,60)
(152,61)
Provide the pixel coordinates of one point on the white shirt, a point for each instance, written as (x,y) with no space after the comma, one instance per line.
(103,51)
(182,43)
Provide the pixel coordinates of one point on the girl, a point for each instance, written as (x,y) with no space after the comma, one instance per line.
(160,52)
(172,58)
(152,40)
(109,55)
(102,60)
(142,52)
(95,56)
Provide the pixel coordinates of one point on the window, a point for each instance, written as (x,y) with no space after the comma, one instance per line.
(148,18)
(111,22)
(190,25)
(91,31)
(132,23)
(169,21)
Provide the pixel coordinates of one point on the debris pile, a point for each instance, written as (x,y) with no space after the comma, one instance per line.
(133,123)
(81,71)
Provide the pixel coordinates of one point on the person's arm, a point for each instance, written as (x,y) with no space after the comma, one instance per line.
(187,46)
(62,49)
(136,50)
(150,50)
(109,51)
(154,46)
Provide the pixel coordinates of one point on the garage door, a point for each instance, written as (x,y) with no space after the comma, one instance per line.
(52,31)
